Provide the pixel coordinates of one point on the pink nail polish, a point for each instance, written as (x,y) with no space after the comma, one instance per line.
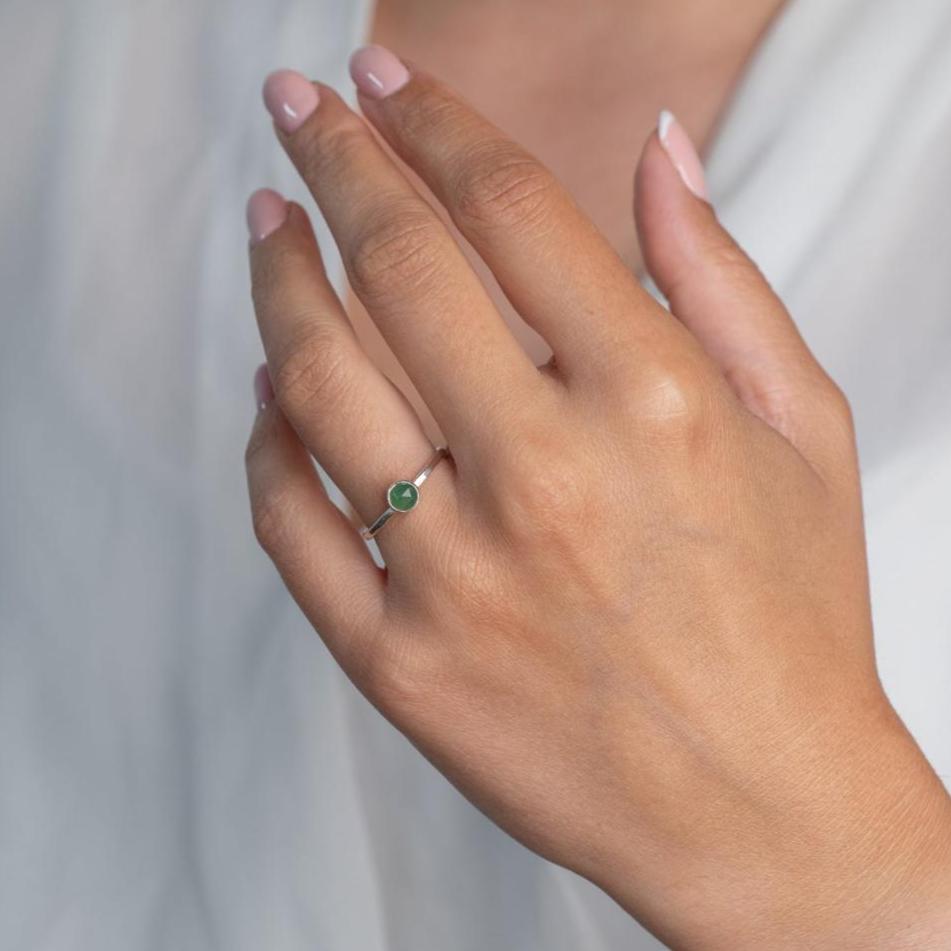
(266,212)
(377,72)
(682,153)
(263,391)
(290,98)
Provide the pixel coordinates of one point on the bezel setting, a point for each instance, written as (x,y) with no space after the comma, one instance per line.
(410,498)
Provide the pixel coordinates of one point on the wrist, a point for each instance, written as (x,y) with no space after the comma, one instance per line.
(857,857)
(903,902)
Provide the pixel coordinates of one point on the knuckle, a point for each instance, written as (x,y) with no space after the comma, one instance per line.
(504,187)
(317,368)
(542,490)
(673,401)
(271,518)
(271,269)
(837,401)
(429,114)
(400,253)
(728,257)
(719,261)
(338,146)
(259,438)
(396,670)
(725,260)
(837,405)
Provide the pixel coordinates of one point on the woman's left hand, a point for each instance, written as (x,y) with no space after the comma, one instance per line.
(629,618)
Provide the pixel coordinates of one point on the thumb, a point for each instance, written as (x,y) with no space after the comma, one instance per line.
(719,294)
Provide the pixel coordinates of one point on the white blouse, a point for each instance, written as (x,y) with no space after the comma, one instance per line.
(182,766)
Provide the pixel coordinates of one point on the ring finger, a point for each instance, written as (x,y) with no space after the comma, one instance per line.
(352,419)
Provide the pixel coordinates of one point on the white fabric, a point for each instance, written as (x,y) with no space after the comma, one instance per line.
(181,766)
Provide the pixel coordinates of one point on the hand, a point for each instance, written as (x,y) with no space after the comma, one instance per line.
(629,618)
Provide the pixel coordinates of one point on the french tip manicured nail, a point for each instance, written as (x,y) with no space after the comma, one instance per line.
(263,391)
(266,212)
(377,72)
(682,153)
(290,98)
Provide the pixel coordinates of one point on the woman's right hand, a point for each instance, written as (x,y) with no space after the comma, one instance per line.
(630,617)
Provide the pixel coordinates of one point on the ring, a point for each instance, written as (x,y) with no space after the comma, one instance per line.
(403,496)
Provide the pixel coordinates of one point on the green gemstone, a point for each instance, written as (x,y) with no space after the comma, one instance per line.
(402,496)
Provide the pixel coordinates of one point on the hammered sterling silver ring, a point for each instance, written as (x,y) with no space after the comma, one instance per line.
(403,496)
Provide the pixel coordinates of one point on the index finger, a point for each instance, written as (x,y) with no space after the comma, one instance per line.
(553,264)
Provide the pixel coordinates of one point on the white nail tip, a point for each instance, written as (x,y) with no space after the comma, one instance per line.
(664,122)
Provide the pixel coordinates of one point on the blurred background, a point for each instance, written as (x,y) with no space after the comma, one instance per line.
(181,765)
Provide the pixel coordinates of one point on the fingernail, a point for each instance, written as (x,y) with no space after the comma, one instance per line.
(290,98)
(377,72)
(266,212)
(263,391)
(682,153)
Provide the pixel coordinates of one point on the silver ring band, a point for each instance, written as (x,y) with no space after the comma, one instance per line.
(403,496)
